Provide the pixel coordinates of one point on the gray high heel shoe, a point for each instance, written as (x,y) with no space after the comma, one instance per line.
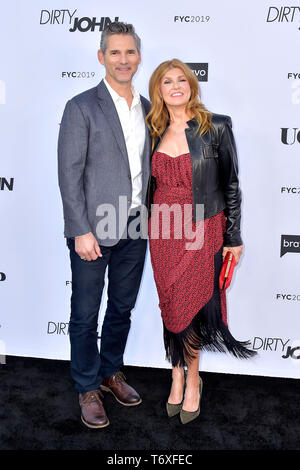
(174,409)
(188,416)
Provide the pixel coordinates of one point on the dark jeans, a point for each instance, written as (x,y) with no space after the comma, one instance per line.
(125,262)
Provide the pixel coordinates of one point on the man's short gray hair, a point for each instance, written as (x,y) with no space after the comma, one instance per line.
(119,28)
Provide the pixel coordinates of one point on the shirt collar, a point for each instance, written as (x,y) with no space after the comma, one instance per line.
(116,97)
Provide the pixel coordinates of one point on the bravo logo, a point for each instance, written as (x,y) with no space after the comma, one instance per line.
(289,244)
(200,70)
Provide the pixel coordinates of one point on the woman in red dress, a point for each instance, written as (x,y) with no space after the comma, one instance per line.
(195,219)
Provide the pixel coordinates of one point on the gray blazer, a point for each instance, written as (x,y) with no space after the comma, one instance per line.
(93,165)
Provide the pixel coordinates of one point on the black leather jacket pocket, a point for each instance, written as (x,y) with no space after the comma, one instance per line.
(210,151)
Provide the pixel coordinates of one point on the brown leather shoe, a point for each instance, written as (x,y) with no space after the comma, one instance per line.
(122,392)
(92,411)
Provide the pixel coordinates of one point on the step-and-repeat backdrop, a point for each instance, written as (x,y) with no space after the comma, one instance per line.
(245,55)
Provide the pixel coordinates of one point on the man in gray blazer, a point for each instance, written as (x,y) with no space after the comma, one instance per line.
(104,168)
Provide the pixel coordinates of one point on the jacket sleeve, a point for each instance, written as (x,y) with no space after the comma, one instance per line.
(72,154)
(230,184)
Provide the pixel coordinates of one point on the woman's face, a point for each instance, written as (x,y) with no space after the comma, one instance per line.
(175,88)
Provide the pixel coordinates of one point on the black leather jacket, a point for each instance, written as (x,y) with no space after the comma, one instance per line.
(215,175)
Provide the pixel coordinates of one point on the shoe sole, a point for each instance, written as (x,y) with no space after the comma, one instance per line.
(94,426)
(106,389)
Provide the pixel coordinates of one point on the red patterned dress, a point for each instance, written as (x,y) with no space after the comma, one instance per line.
(186,266)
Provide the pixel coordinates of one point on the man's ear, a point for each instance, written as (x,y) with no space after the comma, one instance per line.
(101,57)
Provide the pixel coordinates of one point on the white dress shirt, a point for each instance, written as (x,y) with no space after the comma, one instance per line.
(133,126)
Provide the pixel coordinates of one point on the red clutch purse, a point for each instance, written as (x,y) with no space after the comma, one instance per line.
(227,270)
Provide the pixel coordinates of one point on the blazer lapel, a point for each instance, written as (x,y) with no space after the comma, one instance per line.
(147,144)
(109,110)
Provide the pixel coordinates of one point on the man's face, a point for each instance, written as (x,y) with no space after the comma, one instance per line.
(121,59)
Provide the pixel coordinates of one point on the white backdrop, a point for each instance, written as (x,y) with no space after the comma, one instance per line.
(253,76)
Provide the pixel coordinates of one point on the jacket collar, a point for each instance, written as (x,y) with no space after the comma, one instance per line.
(192,123)
(109,110)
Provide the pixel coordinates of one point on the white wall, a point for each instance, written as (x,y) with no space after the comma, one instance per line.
(249,59)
